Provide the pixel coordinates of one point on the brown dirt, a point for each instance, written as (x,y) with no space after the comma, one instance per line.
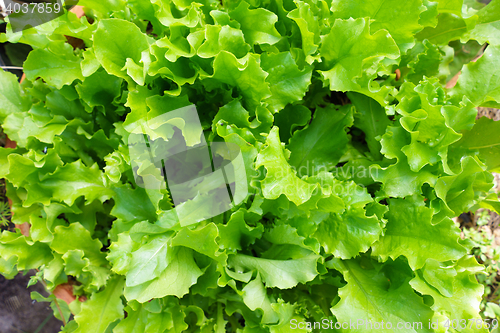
(18,313)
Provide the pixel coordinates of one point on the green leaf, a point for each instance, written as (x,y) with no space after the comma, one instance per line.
(487,28)
(236,234)
(315,147)
(346,235)
(89,63)
(291,117)
(68,183)
(282,274)
(202,240)
(371,296)
(248,78)
(168,16)
(99,88)
(255,297)
(176,45)
(281,178)
(459,191)
(57,65)
(463,54)
(349,50)
(135,322)
(148,261)
(400,18)
(399,180)
(120,253)
(424,60)
(262,33)
(429,17)
(440,276)
(484,139)
(371,118)
(450,6)
(410,232)
(288,84)
(102,309)
(478,82)
(464,302)
(25,254)
(223,38)
(8,267)
(11,100)
(308,25)
(132,205)
(103,7)
(450,27)
(180,274)
(355,155)
(94,261)
(430,133)
(116,54)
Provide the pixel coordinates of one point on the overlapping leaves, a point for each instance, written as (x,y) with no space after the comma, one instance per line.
(350,195)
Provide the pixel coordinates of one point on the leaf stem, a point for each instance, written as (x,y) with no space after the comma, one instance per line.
(55,300)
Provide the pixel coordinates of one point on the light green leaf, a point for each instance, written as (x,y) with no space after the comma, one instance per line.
(102,309)
(262,33)
(180,274)
(323,142)
(81,241)
(120,253)
(371,296)
(281,274)
(255,297)
(202,240)
(450,6)
(19,250)
(399,180)
(450,27)
(223,38)
(281,178)
(68,183)
(400,18)
(308,25)
(464,302)
(440,276)
(114,53)
(288,84)
(484,139)
(346,235)
(459,191)
(11,100)
(371,118)
(478,82)
(148,261)
(249,78)
(57,65)
(410,232)
(487,28)
(429,17)
(349,51)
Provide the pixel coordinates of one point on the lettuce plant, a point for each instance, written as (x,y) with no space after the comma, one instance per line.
(356,155)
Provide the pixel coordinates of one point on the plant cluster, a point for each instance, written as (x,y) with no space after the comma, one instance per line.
(356,158)
(486,251)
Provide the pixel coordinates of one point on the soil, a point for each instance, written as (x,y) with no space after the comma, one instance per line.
(20,314)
